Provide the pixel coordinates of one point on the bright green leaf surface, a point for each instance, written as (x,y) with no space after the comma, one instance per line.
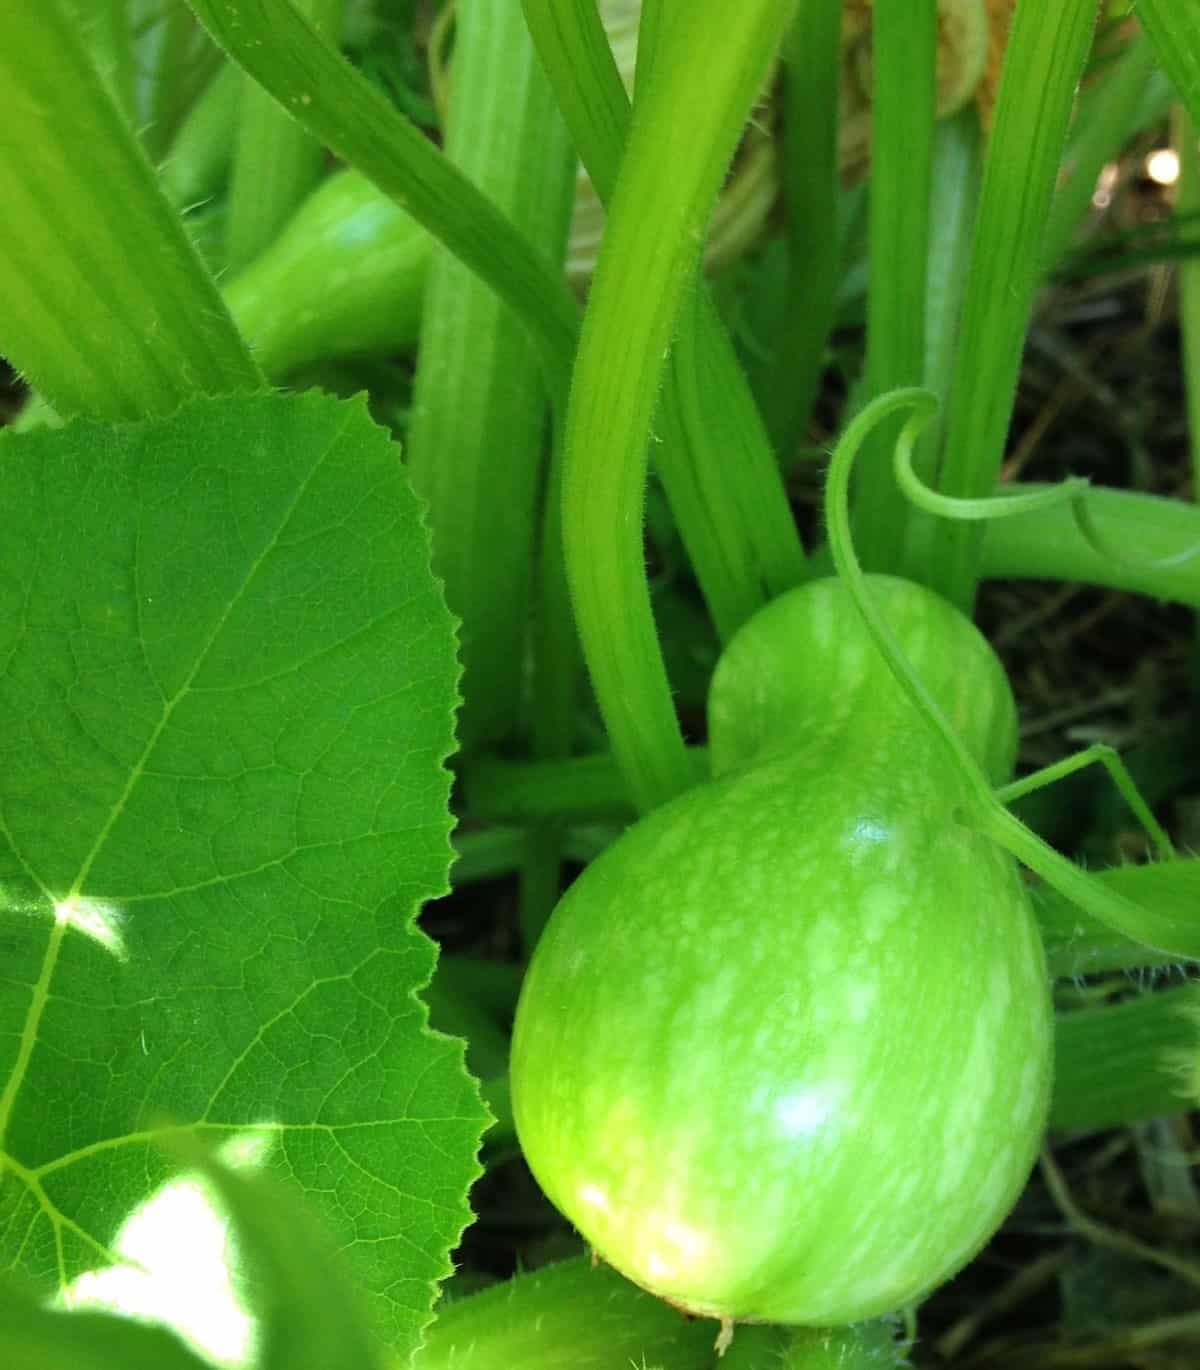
(226,679)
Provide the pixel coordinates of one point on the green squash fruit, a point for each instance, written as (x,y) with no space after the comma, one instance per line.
(783,1052)
(344,278)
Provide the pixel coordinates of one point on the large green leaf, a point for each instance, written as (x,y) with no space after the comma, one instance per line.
(226,690)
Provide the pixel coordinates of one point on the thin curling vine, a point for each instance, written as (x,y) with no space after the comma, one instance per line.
(985,811)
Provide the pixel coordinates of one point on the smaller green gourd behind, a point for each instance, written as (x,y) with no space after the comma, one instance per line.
(345,278)
(783,1051)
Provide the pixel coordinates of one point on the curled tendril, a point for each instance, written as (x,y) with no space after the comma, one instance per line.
(923,404)
(1073,491)
(975,510)
(1099,544)
(983,809)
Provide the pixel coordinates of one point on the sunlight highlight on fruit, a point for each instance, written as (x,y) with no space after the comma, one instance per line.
(592,1194)
(807,1110)
(674,1251)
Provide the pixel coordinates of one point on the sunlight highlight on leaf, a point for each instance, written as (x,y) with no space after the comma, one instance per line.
(95,918)
(182,1264)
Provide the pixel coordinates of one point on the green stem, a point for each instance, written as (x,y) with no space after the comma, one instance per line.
(1049,545)
(1119,773)
(574,51)
(957,164)
(475,1000)
(106,29)
(274,43)
(957,170)
(458,1014)
(720,474)
(1187,142)
(197,164)
(540,880)
(700,91)
(1174,33)
(713,455)
(1107,118)
(584,787)
(173,62)
(1141,922)
(812,61)
(556,678)
(586,841)
(477,433)
(1044,58)
(523,791)
(1123,1064)
(1185,137)
(904,50)
(570,1314)
(1077,944)
(107,309)
(651,25)
(275,162)
(1016,501)
(486,854)
(500,1140)
(494,985)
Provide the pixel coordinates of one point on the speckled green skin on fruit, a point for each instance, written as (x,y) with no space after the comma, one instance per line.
(783,1051)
